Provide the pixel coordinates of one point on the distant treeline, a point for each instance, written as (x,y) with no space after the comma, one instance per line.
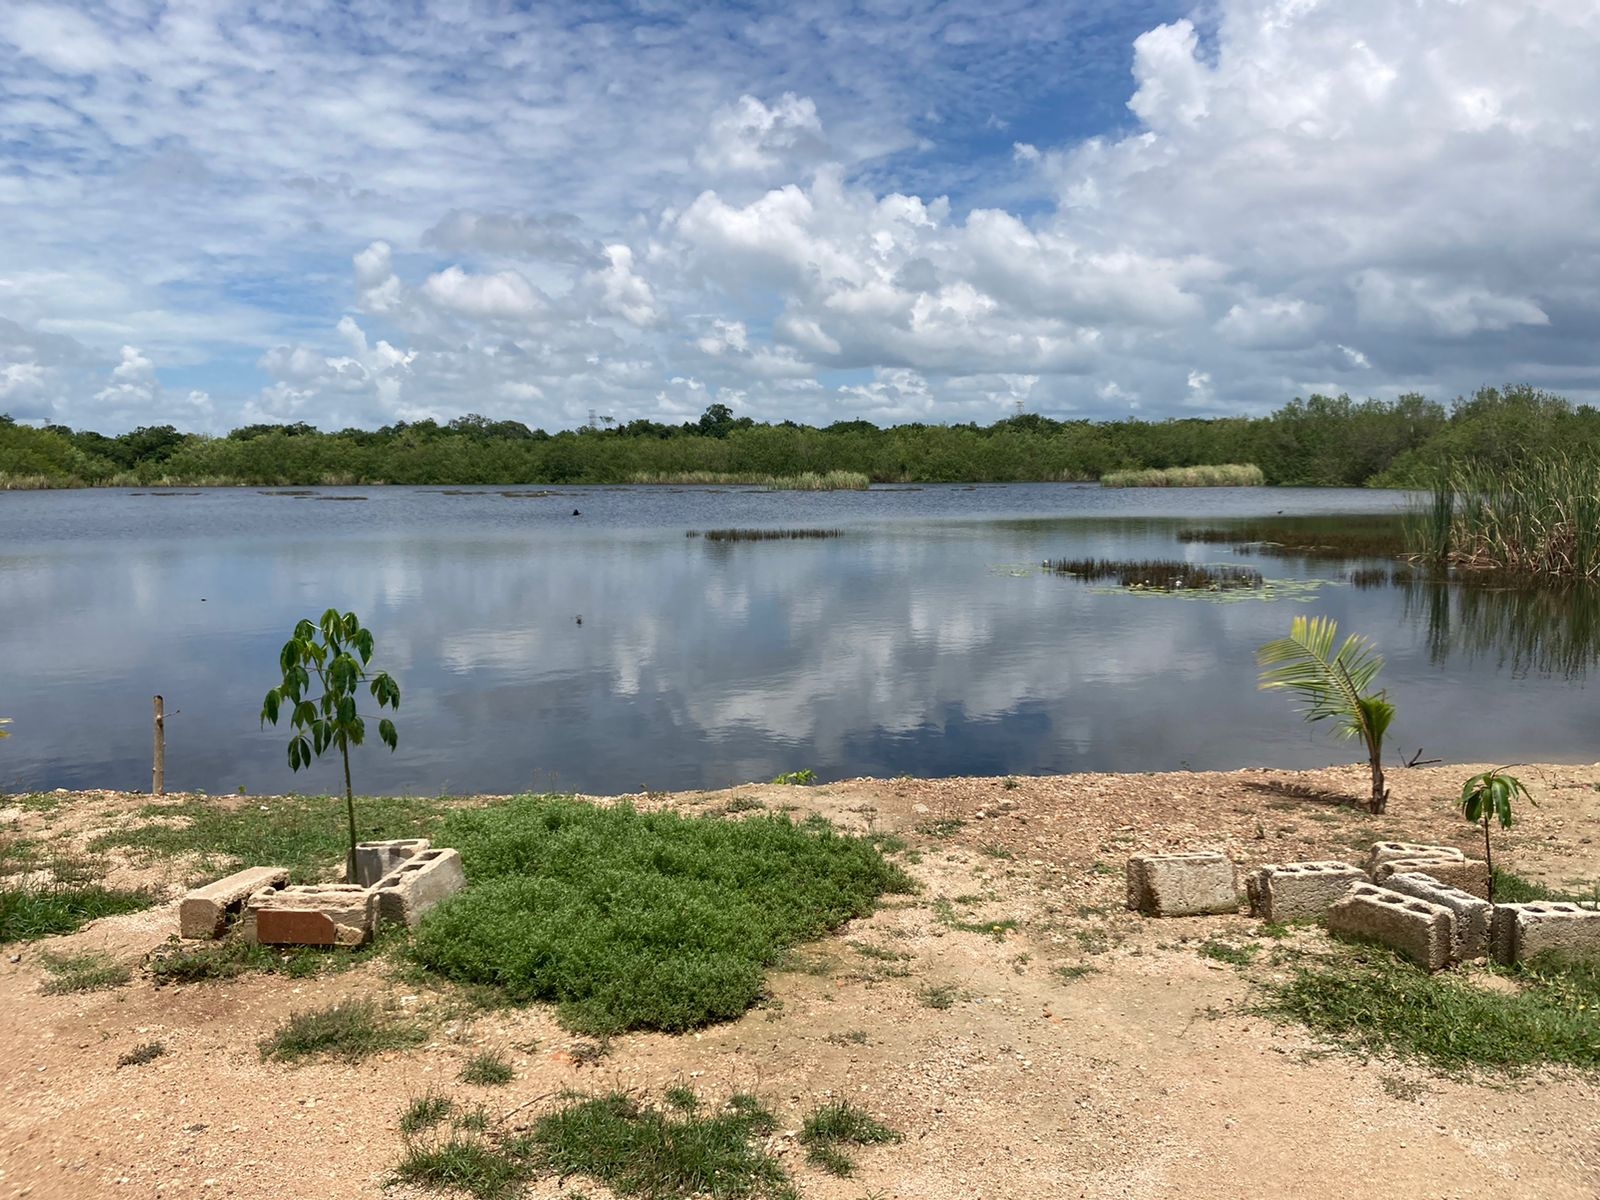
(1330,441)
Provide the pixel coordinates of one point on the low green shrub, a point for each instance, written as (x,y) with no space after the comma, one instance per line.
(350,1030)
(632,920)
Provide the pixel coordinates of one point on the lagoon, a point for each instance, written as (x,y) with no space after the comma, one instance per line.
(609,652)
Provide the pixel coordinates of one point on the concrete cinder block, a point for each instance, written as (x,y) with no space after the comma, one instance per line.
(1470,937)
(1422,931)
(325,914)
(204,912)
(1182,885)
(1468,874)
(1302,891)
(1523,932)
(417,884)
(1383,852)
(374,860)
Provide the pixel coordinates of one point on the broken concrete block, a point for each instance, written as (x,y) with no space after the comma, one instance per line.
(324,914)
(1299,891)
(1182,885)
(1422,931)
(1383,852)
(1522,932)
(1470,938)
(417,884)
(1468,874)
(374,860)
(204,912)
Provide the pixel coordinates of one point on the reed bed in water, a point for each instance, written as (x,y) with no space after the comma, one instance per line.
(1538,519)
(1218,475)
(764,535)
(1166,575)
(1314,537)
(806,481)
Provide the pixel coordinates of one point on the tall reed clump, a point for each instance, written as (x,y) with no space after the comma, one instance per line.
(1218,475)
(1539,518)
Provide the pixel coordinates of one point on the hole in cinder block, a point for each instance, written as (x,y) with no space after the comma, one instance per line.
(389,883)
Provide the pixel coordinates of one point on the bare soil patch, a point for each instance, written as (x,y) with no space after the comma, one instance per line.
(1084,1051)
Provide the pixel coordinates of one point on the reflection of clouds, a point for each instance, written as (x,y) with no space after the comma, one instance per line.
(895,648)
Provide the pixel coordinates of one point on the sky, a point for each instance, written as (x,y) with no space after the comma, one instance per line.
(217,212)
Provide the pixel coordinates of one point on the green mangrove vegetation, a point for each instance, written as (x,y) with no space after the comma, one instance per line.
(1320,441)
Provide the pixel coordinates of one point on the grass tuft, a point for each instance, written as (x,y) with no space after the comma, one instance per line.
(426,1111)
(180,962)
(93,971)
(349,1030)
(632,920)
(1218,475)
(47,896)
(462,1164)
(829,1126)
(146,1052)
(488,1069)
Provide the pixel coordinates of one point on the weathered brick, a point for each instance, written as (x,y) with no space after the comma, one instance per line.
(1524,932)
(374,860)
(1422,931)
(417,884)
(204,912)
(1383,852)
(1468,874)
(1470,938)
(1182,885)
(1301,891)
(325,914)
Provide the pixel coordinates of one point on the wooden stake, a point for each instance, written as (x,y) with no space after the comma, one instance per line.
(158,774)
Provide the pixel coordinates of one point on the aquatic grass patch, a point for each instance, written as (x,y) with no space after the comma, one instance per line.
(306,834)
(349,1030)
(764,535)
(1336,538)
(1167,575)
(805,481)
(1215,475)
(1368,998)
(630,920)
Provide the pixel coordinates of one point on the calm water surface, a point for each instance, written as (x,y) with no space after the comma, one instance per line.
(924,641)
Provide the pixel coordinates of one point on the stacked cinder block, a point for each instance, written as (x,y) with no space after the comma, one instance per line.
(1469,915)
(396,881)
(1303,891)
(1182,885)
(1421,930)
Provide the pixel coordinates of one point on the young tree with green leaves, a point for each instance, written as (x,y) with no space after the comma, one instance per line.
(1333,685)
(1487,796)
(337,652)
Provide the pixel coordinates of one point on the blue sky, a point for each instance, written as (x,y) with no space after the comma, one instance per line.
(352,213)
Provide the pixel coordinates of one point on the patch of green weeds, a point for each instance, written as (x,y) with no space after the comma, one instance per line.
(307,834)
(881,953)
(426,1111)
(183,962)
(488,1069)
(851,1037)
(1402,1088)
(995,850)
(945,911)
(1229,952)
(940,995)
(146,1052)
(946,827)
(796,778)
(681,1099)
(840,1123)
(1514,889)
(1105,868)
(480,1169)
(631,920)
(739,804)
(349,1030)
(94,971)
(1368,998)
(1073,972)
(45,895)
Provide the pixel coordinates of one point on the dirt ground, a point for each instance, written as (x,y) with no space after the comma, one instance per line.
(1148,1076)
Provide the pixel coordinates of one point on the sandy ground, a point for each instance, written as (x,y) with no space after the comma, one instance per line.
(1148,1077)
